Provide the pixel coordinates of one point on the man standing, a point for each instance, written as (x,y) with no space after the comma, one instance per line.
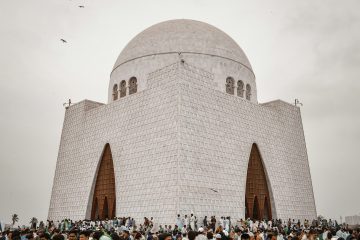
(205,222)
(213,223)
(186,221)
(179,222)
(192,222)
(227,224)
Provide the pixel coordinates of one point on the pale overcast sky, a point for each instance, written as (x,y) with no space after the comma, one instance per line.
(307,49)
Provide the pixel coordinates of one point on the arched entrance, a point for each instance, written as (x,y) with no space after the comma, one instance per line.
(257,199)
(104,200)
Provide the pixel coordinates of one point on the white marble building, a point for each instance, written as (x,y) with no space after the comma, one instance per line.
(180,127)
(352,220)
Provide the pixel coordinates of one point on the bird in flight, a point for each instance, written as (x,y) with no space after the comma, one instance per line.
(81,6)
(63,40)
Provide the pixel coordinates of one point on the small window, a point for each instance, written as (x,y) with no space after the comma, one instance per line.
(132,85)
(248,91)
(240,88)
(115,92)
(123,88)
(230,85)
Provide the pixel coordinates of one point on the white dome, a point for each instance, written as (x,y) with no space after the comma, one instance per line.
(185,36)
(200,44)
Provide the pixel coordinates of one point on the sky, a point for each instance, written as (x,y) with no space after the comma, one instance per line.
(306,49)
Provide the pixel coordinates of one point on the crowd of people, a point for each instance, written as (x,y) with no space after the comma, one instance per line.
(184,228)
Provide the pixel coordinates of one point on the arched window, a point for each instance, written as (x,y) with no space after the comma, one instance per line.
(122,88)
(240,88)
(132,85)
(230,85)
(115,92)
(248,92)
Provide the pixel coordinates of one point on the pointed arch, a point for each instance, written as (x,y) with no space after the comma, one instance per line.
(257,193)
(104,188)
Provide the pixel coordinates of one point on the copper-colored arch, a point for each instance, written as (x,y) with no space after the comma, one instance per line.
(104,200)
(257,197)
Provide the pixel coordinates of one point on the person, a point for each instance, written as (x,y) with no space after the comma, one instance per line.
(42,236)
(183,230)
(72,235)
(114,236)
(213,223)
(138,236)
(165,236)
(179,222)
(227,224)
(329,235)
(30,236)
(15,235)
(201,234)
(245,236)
(191,235)
(221,222)
(205,222)
(84,235)
(186,221)
(125,234)
(352,234)
(97,235)
(58,236)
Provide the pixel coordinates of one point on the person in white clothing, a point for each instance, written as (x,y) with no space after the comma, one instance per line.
(192,222)
(186,221)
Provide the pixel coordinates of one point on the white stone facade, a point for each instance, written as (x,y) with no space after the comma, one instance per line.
(177,138)
(352,220)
